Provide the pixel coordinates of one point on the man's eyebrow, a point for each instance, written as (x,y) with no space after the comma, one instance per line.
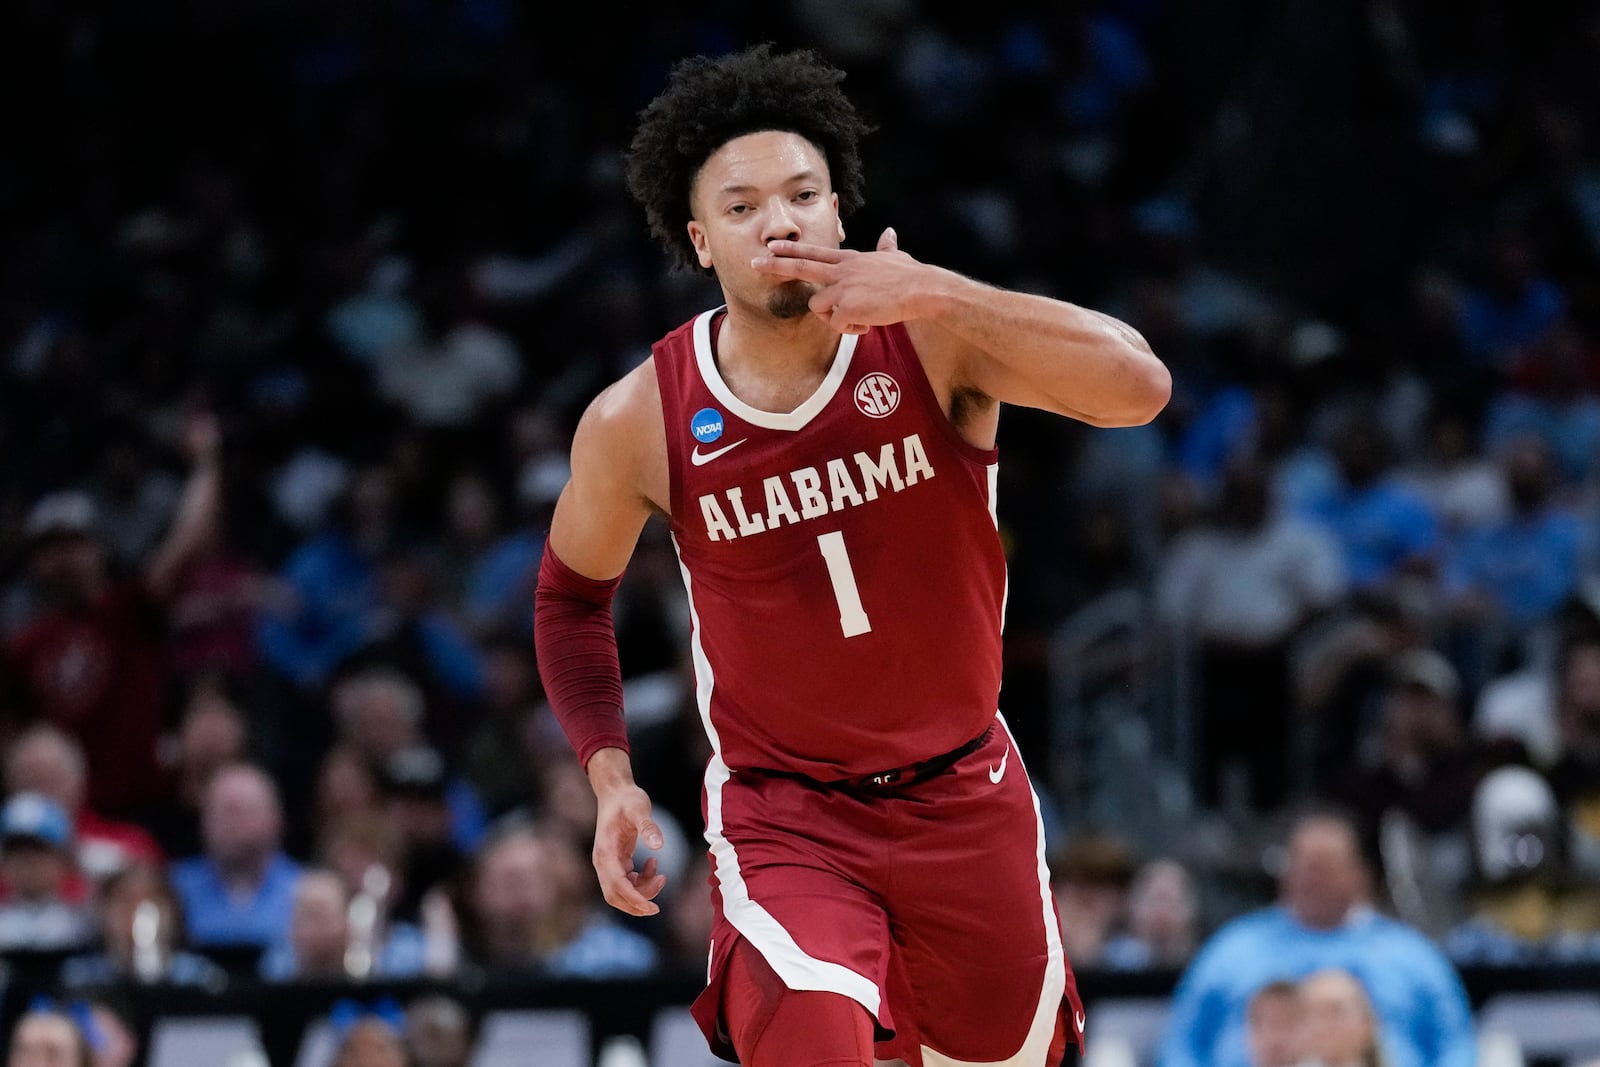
(745,187)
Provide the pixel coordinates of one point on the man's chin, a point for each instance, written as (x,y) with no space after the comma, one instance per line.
(791,300)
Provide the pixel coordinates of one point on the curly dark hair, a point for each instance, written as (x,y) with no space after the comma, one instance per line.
(709,102)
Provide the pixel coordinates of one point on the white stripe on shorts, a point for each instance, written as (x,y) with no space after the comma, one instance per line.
(797,969)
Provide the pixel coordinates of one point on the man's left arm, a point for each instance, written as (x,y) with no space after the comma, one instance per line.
(1018,348)
(199,507)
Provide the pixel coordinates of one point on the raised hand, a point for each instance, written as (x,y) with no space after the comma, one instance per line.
(856,290)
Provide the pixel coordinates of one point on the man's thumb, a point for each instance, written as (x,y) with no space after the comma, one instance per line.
(651,834)
(889,241)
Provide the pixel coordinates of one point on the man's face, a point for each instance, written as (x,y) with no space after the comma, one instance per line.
(755,189)
(44,1040)
(68,567)
(1326,876)
(40,765)
(1336,1025)
(240,820)
(320,926)
(1275,1031)
(33,869)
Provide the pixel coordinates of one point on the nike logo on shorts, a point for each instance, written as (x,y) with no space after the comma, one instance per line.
(997,773)
(700,459)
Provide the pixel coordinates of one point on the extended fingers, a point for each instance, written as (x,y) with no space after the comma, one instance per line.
(801,250)
(619,884)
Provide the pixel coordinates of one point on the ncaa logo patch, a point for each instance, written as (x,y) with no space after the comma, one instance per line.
(706,425)
(877,395)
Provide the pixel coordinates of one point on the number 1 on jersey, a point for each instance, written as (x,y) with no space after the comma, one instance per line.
(852,616)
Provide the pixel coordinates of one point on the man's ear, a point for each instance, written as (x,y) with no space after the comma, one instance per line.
(697,236)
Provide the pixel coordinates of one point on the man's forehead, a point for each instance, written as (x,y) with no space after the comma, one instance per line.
(762,157)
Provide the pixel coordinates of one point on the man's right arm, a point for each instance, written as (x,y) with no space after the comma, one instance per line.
(618,481)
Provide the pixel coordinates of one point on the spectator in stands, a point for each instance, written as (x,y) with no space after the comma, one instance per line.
(36,853)
(45,1037)
(240,890)
(416,801)
(499,594)
(480,567)
(1272,1019)
(1421,762)
(1324,918)
(1575,774)
(46,759)
(92,660)
(346,788)
(1337,1024)
(456,368)
(1243,588)
(1513,901)
(687,940)
(112,1033)
(141,933)
(1385,529)
(212,733)
(329,604)
(439,1032)
(531,903)
(414,634)
(1163,920)
(1504,579)
(499,752)
(1553,399)
(371,1041)
(1344,673)
(328,939)
(1463,487)
(382,712)
(1090,874)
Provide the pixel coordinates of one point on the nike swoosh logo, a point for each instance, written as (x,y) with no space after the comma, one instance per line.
(1077,1017)
(700,459)
(997,773)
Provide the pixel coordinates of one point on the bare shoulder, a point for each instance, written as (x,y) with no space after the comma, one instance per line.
(622,434)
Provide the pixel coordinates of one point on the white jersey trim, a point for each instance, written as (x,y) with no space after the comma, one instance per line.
(994,515)
(772,420)
(794,966)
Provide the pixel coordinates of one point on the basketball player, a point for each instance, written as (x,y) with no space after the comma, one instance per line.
(823,449)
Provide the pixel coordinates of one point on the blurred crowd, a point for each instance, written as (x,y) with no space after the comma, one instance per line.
(299,303)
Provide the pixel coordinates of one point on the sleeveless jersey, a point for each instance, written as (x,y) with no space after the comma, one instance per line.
(845,575)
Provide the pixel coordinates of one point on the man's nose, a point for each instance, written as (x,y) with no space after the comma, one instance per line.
(780,224)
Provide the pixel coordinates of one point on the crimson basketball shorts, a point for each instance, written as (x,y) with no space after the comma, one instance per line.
(928,904)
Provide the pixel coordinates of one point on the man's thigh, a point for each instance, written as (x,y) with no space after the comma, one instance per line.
(978,951)
(792,873)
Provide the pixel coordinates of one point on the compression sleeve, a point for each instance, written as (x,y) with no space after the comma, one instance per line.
(576,645)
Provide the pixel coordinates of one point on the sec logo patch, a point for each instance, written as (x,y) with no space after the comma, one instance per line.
(877,395)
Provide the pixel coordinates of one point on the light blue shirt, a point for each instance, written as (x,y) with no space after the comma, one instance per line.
(216,917)
(1379,527)
(1528,565)
(1422,1007)
(403,955)
(604,949)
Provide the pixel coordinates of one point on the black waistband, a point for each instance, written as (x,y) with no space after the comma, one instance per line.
(894,777)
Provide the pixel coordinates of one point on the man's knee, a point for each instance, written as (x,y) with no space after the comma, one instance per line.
(772,1025)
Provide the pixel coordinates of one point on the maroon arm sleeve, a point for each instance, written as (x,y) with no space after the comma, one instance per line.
(576,645)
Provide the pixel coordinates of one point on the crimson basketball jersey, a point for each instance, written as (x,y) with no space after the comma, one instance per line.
(844,571)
